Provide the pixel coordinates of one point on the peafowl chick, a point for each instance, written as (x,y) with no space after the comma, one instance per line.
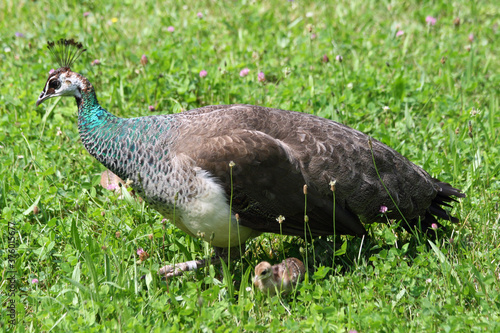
(282,277)
(258,158)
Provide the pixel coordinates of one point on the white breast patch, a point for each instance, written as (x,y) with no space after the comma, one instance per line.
(208,215)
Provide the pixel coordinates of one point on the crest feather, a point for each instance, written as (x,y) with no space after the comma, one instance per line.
(65,51)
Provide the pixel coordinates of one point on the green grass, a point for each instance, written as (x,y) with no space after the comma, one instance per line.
(433,79)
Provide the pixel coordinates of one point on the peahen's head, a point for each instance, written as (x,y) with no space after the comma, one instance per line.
(64,82)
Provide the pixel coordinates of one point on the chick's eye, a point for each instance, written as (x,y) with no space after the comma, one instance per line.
(55,84)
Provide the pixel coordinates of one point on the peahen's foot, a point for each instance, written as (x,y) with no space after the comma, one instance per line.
(177,269)
(192,265)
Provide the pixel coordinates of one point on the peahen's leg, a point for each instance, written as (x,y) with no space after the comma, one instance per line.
(220,254)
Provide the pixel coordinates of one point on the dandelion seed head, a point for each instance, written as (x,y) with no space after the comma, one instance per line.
(332,185)
(474,112)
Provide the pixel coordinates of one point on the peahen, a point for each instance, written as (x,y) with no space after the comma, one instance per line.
(257,159)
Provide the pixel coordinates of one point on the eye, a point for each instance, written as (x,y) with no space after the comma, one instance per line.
(55,84)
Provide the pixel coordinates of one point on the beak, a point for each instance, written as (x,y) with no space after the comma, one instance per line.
(42,98)
(260,277)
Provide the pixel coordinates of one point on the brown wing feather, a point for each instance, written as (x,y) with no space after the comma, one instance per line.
(267,182)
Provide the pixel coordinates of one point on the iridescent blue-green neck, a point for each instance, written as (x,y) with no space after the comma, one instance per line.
(97,127)
(90,114)
(123,145)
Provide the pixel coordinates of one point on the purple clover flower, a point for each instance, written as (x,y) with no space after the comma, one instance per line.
(261,77)
(112,187)
(244,72)
(430,20)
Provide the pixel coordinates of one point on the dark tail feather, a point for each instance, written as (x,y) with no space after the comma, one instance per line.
(447,190)
(444,197)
